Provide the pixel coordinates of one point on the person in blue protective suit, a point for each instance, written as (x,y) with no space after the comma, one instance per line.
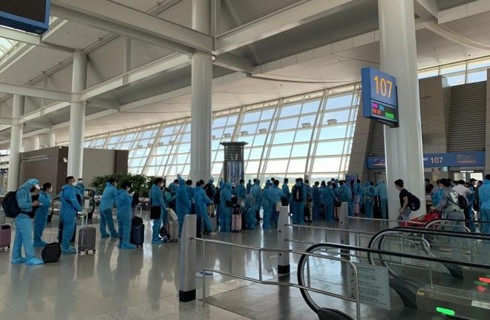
(249,186)
(225,208)
(345,195)
(328,201)
(436,194)
(369,192)
(124,215)
(106,204)
(276,196)
(190,194)
(80,187)
(298,200)
(317,200)
(240,190)
(268,205)
(484,200)
(357,197)
(256,193)
(202,203)
(286,192)
(23,224)
(183,204)
(249,213)
(156,200)
(69,208)
(382,192)
(41,216)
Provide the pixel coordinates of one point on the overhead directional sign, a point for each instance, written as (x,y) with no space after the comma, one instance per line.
(379,96)
(27,15)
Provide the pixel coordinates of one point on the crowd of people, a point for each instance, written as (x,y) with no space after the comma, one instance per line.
(305,203)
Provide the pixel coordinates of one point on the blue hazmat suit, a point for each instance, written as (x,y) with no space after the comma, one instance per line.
(298,207)
(484,195)
(202,202)
(225,211)
(286,192)
(369,192)
(80,187)
(345,195)
(249,214)
(23,226)
(256,193)
(328,202)
(41,218)
(69,208)
(182,204)
(106,204)
(156,200)
(240,191)
(268,205)
(124,215)
(190,194)
(317,201)
(249,186)
(382,192)
(276,195)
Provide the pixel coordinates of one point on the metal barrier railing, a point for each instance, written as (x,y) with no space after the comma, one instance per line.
(261,280)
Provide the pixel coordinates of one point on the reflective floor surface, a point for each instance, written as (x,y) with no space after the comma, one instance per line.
(143,283)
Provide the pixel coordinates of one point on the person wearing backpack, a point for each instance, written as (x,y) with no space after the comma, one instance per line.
(23,224)
(462,190)
(124,215)
(298,200)
(41,216)
(404,196)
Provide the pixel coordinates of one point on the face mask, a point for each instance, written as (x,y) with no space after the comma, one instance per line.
(74,184)
(129,189)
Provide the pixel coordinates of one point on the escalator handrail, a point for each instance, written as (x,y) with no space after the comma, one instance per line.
(404,255)
(457,234)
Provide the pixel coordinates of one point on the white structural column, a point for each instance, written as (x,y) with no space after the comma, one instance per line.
(15,143)
(77,115)
(201,110)
(403,145)
(47,140)
(31,144)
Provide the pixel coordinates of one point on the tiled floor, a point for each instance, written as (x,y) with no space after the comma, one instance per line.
(143,283)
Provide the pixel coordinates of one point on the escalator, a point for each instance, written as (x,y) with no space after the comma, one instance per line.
(449,285)
(430,281)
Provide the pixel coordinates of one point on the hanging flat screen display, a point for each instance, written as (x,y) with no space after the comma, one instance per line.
(26,15)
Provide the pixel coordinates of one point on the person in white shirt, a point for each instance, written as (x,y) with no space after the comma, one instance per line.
(468,212)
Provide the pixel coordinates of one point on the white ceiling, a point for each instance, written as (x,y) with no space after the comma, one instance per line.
(323,53)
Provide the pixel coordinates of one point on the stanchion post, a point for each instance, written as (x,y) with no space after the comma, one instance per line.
(344,226)
(187,291)
(283,266)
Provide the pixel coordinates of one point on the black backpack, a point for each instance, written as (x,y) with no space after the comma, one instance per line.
(298,194)
(462,202)
(10,205)
(413,202)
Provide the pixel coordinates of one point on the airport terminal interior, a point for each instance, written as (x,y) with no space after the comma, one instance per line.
(159,88)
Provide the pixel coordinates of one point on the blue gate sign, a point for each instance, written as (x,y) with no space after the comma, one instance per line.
(379,96)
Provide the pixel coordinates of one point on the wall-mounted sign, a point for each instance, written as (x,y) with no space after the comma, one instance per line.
(432,160)
(379,96)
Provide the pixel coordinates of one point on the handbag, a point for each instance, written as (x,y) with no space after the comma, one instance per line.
(155,212)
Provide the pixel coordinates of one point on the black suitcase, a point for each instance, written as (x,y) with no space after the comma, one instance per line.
(137,232)
(51,252)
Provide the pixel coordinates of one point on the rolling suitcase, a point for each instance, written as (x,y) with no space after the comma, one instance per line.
(137,232)
(5,236)
(86,238)
(236,219)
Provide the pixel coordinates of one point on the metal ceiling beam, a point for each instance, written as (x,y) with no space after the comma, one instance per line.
(280,21)
(44,111)
(34,92)
(426,9)
(464,11)
(233,62)
(166,64)
(123,20)
(32,39)
(39,124)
